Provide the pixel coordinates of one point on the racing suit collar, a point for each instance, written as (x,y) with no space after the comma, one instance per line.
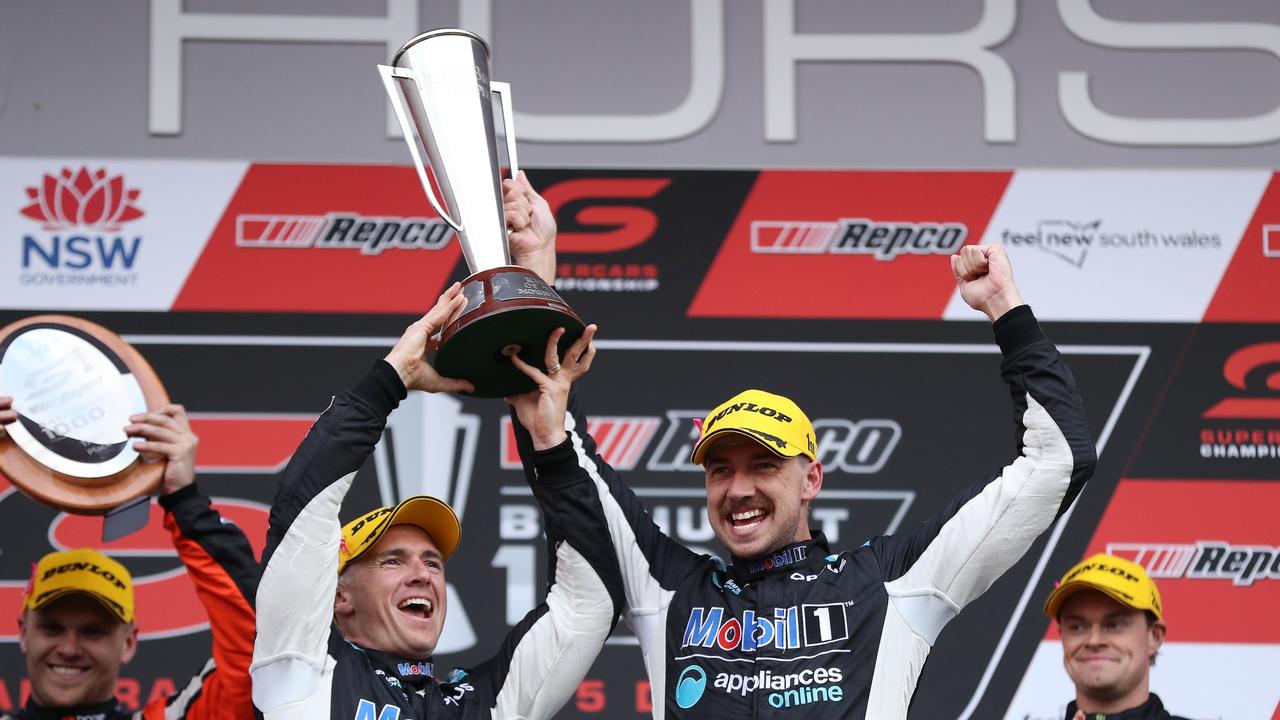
(408,675)
(802,554)
(106,709)
(1152,708)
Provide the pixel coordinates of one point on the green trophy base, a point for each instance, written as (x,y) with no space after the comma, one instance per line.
(509,311)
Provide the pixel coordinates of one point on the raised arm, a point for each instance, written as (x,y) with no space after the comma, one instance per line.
(954,556)
(545,656)
(304,532)
(220,563)
(933,571)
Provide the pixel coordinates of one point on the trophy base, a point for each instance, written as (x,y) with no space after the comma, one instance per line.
(509,311)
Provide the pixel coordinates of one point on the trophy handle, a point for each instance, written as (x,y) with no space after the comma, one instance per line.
(389,75)
(508,122)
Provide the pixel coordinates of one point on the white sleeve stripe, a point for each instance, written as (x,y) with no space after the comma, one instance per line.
(293,637)
(990,532)
(647,601)
(558,649)
(178,704)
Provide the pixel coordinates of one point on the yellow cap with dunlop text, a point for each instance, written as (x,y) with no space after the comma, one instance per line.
(771,420)
(432,515)
(85,571)
(1122,580)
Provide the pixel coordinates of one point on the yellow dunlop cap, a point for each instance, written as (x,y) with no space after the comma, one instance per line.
(1122,580)
(771,420)
(82,570)
(432,515)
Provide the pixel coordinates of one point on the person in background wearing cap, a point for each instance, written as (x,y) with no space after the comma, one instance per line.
(77,624)
(349,616)
(1109,617)
(791,626)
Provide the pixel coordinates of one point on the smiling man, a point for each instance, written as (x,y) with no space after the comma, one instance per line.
(349,616)
(789,627)
(1110,619)
(77,625)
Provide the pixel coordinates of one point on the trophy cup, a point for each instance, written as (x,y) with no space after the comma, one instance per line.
(74,385)
(442,96)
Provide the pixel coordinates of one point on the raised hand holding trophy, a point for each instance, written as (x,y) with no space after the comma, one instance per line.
(441,92)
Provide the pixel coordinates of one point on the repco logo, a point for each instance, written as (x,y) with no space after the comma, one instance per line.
(858,236)
(857,447)
(1243,565)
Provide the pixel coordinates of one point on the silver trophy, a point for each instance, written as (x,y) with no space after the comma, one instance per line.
(443,98)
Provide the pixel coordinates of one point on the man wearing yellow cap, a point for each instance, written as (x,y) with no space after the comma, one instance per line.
(790,628)
(1110,619)
(349,616)
(77,624)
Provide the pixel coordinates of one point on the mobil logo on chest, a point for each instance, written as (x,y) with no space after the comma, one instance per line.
(785,628)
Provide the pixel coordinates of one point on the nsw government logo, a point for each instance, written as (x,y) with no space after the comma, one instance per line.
(82,241)
(690,687)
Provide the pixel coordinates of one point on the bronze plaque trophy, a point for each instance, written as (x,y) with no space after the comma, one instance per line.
(74,385)
(441,92)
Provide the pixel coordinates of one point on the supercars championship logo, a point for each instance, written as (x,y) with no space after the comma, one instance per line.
(82,214)
(1246,424)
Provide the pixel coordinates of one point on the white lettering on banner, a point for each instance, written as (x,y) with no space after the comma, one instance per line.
(170,26)
(784,49)
(829,519)
(519,562)
(1087,119)
(518,522)
(706,86)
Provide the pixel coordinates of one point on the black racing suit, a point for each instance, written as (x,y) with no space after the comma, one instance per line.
(304,669)
(1152,709)
(221,564)
(805,633)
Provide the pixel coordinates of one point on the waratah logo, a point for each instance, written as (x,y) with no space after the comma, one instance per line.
(86,199)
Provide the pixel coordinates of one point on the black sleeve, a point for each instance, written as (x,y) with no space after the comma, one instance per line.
(544,657)
(651,564)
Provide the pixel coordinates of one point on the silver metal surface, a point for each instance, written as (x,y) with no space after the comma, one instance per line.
(71,390)
(442,96)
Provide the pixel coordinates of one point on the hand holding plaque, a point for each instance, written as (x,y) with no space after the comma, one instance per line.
(71,388)
(442,96)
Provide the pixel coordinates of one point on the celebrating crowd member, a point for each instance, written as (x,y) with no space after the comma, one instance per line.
(77,623)
(368,651)
(1110,618)
(788,624)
